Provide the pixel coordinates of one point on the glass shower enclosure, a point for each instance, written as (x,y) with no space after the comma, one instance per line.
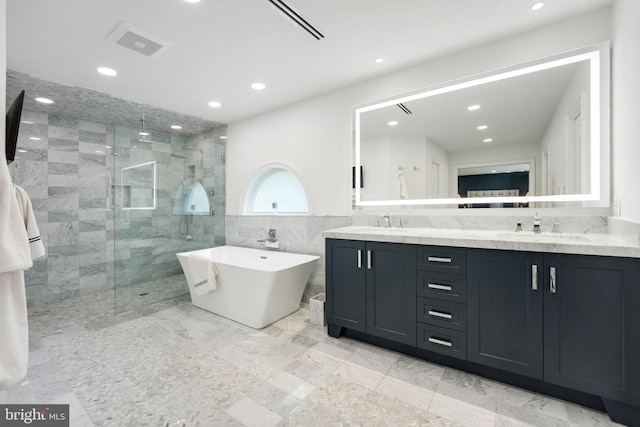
(168,197)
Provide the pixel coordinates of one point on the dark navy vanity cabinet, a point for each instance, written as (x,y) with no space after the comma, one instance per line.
(373,288)
(565,325)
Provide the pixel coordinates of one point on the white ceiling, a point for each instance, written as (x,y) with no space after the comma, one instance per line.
(219,47)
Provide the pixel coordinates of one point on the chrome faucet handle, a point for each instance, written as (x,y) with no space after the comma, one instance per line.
(556,228)
(536,223)
(519,226)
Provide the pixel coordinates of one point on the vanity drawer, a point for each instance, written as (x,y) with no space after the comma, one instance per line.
(450,287)
(441,340)
(445,314)
(443,259)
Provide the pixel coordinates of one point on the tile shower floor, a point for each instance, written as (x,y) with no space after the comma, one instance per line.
(171,364)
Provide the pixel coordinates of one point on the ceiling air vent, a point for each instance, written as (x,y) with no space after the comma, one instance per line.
(137,40)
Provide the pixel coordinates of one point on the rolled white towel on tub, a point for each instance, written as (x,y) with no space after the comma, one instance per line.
(203,273)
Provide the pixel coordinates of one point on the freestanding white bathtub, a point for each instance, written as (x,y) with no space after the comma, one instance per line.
(254,287)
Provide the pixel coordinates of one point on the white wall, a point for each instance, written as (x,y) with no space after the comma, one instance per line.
(561,161)
(3,70)
(625,111)
(314,137)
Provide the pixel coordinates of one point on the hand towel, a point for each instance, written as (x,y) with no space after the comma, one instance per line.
(203,273)
(400,184)
(14,243)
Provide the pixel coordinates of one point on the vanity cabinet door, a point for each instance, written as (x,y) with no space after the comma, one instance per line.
(592,325)
(391,291)
(504,310)
(345,284)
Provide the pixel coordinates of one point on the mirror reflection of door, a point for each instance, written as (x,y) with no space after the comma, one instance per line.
(435,180)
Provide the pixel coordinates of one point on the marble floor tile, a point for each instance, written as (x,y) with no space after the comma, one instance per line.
(291,384)
(252,414)
(462,411)
(170,363)
(406,392)
(374,358)
(358,375)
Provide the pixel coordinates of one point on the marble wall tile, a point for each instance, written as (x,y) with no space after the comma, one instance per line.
(67,157)
(63,233)
(57,143)
(88,139)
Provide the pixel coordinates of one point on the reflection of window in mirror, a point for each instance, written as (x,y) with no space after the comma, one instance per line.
(275,190)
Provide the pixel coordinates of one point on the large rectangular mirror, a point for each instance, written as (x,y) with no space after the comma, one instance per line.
(532,133)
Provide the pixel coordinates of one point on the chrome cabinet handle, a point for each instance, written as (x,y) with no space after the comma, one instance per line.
(439,287)
(440,314)
(534,277)
(552,280)
(359,259)
(368,260)
(440,342)
(438,259)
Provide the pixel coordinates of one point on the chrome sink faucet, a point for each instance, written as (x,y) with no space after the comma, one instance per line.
(386,221)
(536,223)
(270,242)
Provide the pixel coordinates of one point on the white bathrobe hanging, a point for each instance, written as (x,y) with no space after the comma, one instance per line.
(20,243)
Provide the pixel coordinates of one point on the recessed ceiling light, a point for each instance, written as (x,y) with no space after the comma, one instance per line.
(379,60)
(192,1)
(214,104)
(537,5)
(34,138)
(487,140)
(106,71)
(44,100)
(107,146)
(176,127)
(392,123)
(482,127)
(258,86)
(223,136)
(473,107)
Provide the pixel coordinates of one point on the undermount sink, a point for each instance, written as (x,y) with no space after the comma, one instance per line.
(543,237)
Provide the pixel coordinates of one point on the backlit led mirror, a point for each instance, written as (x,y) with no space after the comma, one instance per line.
(535,134)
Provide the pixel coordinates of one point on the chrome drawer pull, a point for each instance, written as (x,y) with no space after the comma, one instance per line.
(440,314)
(438,259)
(359,259)
(439,287)
(534,277)
(440,342)
(368,260)
(552,281)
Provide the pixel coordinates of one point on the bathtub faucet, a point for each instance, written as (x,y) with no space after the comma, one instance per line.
(270,242)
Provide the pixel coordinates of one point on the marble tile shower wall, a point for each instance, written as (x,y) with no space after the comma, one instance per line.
(146,241)
(66,172)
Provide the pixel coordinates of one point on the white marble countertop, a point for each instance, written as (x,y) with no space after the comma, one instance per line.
(585,244)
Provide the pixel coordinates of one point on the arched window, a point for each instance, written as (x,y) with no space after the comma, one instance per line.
(275,190)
